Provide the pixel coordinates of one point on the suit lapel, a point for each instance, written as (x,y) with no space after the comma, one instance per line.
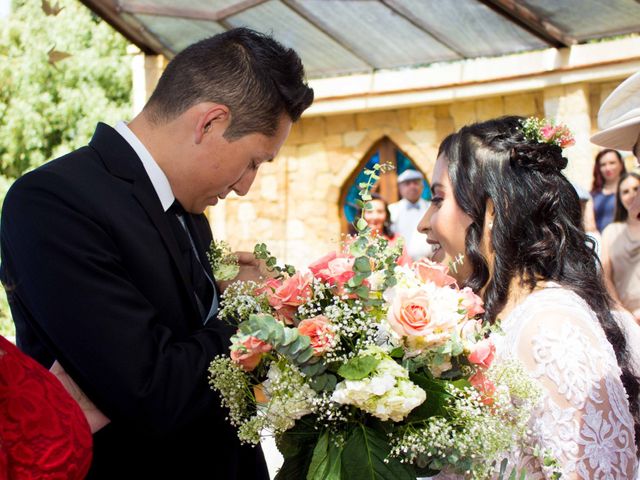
(122,161)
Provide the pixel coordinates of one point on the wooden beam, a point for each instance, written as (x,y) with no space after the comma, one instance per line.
(320,25)
(408,15)
(531,22)
(128,27)
(188,13)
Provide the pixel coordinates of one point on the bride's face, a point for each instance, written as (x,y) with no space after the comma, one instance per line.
(444,223)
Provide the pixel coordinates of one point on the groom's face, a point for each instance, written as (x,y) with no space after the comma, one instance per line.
(224,166)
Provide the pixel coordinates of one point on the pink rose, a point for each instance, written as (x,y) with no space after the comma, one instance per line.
(548,132)
(482,353)
(285,296)
(249,352)
(334,268)
(411,315)
(485,387)
(437,273)
(319,331)
(471,302)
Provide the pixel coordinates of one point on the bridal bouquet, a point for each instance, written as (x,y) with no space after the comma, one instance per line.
(362,368)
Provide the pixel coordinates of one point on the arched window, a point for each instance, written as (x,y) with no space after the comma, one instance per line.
(384,152)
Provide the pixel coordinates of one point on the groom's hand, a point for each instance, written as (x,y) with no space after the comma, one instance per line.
(94,416)
(251,269)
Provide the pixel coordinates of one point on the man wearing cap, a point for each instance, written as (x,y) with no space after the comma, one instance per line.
(406,214)
(619,122)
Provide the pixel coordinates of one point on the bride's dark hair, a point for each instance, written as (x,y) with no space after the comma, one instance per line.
(537,225)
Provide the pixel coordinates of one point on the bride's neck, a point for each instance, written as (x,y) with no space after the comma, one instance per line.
(518,291)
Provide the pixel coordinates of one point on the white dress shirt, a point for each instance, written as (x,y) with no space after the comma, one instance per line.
(405,217)
(161,185)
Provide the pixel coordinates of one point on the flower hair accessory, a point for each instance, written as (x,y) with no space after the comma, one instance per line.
(546,131)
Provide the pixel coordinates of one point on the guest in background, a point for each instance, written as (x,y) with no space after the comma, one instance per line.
(588,219)
(407,212)
(378,220)
(607,169)
(621,247)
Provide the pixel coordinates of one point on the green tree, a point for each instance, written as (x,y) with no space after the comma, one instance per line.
(62,69)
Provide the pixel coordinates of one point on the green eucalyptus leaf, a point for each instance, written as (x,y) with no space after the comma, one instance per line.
(361,224)
(362,265)
(362,291)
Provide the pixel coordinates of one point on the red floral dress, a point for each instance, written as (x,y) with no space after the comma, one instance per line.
(43,433)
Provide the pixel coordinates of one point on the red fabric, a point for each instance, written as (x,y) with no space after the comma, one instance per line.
(43,433)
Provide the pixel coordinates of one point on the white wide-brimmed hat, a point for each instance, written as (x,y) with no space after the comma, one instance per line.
(619,116)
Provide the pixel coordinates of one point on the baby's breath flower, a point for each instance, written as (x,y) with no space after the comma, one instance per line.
(240,300)
(228,378)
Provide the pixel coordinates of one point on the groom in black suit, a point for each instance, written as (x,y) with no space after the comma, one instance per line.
(103,256)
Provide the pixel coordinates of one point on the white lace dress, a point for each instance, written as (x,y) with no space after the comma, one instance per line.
(583,417)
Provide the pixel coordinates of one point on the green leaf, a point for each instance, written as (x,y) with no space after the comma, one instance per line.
(362,291)
(358,368)
(367,197)
(300,438)
(364,454)
(325,462)
(362,265)
(358,247)
(361,224)
(397,352)
(437,397)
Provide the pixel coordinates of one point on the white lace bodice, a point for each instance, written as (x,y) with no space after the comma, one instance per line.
(583,417)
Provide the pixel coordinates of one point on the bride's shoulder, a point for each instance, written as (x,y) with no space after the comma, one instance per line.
(555,318)
(553,303)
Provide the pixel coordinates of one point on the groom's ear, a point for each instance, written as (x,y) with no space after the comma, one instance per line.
(215,118)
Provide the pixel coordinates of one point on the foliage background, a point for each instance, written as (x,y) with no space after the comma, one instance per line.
(49,102)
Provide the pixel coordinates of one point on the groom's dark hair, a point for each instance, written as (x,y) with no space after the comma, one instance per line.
(537,232)
(249,72)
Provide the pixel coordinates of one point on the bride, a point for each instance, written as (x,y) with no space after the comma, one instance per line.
(500,199)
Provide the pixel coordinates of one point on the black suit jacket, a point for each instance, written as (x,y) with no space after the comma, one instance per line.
(95,280)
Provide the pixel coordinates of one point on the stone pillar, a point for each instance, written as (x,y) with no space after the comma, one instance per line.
(570,105)
(145,72)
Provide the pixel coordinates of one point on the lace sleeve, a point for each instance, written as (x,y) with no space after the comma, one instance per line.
(584,418)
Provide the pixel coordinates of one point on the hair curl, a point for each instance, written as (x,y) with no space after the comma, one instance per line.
(537,225)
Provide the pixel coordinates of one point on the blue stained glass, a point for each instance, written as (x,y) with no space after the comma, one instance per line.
(402,163)
(350,205)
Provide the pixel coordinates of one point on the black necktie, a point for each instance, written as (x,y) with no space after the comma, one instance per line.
(182,226)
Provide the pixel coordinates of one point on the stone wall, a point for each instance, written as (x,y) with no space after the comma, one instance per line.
(294,204)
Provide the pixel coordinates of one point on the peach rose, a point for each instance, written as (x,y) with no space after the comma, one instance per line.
(437,273)
(319,331)
(410,315)
(287,295)
(334,268)
(485,387)
(471,302)
(482,353)
(249,352)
